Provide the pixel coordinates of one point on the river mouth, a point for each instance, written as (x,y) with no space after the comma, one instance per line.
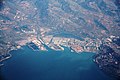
(51,65)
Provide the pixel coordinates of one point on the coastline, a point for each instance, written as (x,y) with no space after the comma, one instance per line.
(4,57)
(7,56)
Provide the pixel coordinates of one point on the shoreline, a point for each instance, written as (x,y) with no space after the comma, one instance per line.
(8,55)
(33,48)
(5,58)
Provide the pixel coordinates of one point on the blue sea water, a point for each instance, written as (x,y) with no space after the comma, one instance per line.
(27,64)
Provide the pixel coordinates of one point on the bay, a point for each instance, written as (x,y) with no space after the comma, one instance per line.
(27,64)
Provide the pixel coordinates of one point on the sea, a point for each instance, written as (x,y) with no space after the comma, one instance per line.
(26,64)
